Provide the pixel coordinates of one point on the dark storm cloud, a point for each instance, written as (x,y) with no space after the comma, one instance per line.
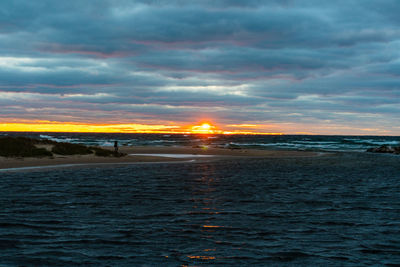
(252,61)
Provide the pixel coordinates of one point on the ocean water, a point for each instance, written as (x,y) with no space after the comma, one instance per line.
(341,209)
(276,142)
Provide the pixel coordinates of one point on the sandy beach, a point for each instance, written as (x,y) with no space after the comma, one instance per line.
(151,154)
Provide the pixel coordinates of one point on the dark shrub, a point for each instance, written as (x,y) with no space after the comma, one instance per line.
(25,147)
(70,149)
(46,142)
(21,147)
(102,152)
(40,152)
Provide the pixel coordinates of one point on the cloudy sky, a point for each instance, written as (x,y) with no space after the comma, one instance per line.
(306,66)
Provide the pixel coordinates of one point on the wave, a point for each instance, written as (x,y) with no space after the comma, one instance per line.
(373,142)
(62,139)
(320,146)
(288,142)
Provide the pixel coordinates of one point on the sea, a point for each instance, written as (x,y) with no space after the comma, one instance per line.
(274,142)
(341,208)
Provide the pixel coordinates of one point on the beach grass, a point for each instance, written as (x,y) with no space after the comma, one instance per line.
(21,147)
(100,152)
(29,147)
(70,149)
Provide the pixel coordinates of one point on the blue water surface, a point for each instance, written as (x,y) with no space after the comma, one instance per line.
(341,210)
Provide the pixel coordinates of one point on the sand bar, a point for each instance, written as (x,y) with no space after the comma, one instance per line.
(151,154)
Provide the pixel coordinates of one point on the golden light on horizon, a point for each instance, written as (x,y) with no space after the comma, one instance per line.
(204,128)
(48,126)
(55,126)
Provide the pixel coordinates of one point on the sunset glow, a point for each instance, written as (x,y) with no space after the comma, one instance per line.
(52,126)
(204,128)
(90,128)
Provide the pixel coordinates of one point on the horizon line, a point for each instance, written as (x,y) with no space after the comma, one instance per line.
(189,133)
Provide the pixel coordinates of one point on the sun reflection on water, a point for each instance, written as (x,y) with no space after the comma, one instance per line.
(212,226)
(205,204)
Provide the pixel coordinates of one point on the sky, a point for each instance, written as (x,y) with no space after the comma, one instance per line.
(293,67)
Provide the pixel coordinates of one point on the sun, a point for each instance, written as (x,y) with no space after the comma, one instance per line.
(203,128)
(206,126)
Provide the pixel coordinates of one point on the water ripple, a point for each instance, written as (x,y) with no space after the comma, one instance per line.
(334,210)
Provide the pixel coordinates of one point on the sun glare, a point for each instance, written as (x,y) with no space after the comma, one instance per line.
(204,128)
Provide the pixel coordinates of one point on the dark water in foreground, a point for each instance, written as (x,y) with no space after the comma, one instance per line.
(334,210)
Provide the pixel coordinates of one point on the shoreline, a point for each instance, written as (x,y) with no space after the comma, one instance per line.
(78,165)
(147,154)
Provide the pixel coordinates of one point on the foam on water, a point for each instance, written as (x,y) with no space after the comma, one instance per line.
(60,139)
(291,142)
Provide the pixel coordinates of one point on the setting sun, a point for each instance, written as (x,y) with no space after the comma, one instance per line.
(204,128)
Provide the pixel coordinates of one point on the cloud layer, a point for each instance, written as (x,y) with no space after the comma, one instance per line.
(293,66)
